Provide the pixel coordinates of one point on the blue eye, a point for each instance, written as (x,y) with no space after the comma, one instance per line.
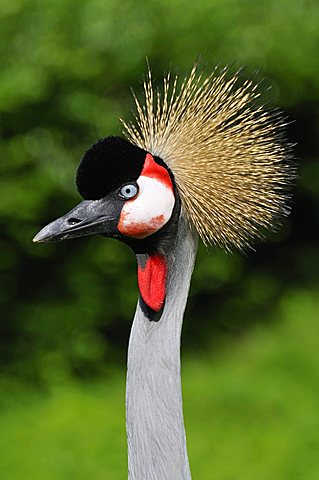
(129,191)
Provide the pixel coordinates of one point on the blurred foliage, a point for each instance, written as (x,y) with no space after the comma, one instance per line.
(251,411)
(66,71)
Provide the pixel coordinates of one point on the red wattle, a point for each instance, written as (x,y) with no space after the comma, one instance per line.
(152,282)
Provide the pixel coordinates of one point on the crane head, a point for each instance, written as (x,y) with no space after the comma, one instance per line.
(203,144)
(225,156)
(128,194)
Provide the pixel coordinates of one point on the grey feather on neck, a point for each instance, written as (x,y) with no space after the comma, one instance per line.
(154,415)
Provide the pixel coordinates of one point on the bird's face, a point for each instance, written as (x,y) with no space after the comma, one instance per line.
(128,194)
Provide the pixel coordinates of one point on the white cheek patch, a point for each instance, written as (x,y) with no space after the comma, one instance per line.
(149,211)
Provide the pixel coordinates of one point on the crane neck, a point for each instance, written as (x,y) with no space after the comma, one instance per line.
(154,415)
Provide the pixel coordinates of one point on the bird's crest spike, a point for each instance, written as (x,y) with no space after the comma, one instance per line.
(225,150)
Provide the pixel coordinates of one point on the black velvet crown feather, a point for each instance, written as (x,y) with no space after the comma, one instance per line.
(108,164)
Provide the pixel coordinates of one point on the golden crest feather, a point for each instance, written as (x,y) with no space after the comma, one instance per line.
(231,167)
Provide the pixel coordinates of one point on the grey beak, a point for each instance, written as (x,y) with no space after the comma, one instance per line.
(88,218)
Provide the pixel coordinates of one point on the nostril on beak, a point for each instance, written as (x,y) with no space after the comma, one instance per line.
(74,221)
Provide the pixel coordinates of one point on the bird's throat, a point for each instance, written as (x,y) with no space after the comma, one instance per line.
(151,276)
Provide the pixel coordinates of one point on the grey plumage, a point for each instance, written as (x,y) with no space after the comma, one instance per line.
(155,426)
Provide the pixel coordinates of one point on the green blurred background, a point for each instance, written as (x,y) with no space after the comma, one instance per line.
(250,340)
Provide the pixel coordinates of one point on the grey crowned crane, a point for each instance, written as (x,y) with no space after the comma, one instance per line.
(202,159)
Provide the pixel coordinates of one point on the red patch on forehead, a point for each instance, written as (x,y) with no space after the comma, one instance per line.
(152,169)
(152,282)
